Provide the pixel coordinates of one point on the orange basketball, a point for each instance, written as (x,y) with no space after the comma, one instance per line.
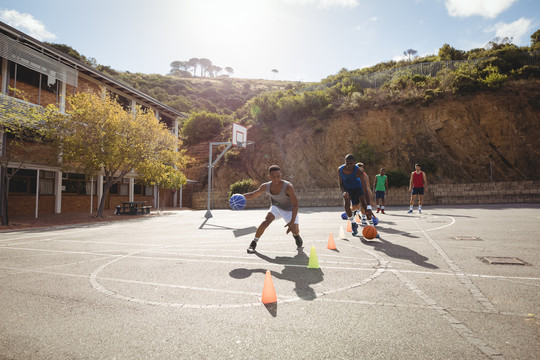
(369,232)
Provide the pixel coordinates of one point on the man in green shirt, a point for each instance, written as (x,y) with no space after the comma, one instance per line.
(381,188)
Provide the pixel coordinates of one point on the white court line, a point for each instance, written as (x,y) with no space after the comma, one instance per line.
(257,261)
(457,325)
(464,279)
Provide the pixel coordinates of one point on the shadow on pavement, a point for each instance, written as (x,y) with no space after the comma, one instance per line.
(399,252)
(388,230)
(236,232)
(295,270)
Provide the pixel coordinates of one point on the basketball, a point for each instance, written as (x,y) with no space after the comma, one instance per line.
(344,216)
(237,202)
(369,232)
(375,220)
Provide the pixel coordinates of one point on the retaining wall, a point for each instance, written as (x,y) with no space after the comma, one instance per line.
(437,194)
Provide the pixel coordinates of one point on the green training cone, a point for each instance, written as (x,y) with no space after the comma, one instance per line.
(313,261)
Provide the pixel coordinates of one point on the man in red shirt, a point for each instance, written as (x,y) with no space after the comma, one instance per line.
(417,186)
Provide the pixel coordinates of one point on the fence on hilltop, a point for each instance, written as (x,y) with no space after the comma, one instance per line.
(377,79)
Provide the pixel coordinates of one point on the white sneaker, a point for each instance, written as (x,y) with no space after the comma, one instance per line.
(419,211)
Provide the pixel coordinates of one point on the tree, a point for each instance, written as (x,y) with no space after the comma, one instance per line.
(201,126)
(175,65)
(216,70)
(179,68)
(22,135)
(206,66)
(229,70)
(410,54)
(275,71)
(448,53)
(535,40)
(98,135)
(498,43)
(193,63)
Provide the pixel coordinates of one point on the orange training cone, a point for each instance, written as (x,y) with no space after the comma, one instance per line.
(349,226)
(331,243)
(357,218)
(269,293)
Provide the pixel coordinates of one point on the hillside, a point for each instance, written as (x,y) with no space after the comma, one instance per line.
(460,134)
(221,95)
(466,116)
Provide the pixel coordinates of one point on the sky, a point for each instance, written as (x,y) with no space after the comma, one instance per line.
(304,40)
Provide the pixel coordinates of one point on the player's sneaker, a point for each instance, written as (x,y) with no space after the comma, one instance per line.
(354,229)
(382,211)
(364,222)
(379,210)
(419,211)
(251,248)
(410,211)
(298,240)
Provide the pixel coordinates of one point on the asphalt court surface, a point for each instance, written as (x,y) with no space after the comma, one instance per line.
(178,285)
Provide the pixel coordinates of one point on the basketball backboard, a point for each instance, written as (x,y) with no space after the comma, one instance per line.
(239,135)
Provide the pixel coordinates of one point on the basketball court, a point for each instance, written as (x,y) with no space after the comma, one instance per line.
(453,282)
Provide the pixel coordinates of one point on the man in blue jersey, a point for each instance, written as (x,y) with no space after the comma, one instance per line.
(353,184)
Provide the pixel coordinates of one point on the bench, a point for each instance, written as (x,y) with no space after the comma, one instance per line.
(132,208)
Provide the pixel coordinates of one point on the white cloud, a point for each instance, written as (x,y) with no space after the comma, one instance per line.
(26,23)
(485,8)
(327,4)
(516,30)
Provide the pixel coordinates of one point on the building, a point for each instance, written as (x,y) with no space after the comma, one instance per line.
(47,76)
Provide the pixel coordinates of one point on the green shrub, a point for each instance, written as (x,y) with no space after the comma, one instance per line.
(201,126)
(365,153)
(527,72)
(466,80)
(429,165)
(417,78)
(494,79)
(241,187)
(428,99)
(232,155)
(397,178)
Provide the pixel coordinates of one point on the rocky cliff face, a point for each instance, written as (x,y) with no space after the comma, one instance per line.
(462,134)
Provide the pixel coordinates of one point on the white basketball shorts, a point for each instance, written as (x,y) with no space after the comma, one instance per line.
(282,214)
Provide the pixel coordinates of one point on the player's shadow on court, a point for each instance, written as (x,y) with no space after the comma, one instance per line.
(454,215)
(295,270)
(388,230)
(400,252)
(236,232)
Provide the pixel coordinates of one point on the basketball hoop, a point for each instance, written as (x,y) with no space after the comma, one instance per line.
(239,135)
(239,138)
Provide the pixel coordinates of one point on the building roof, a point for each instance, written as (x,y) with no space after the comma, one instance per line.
(83,68)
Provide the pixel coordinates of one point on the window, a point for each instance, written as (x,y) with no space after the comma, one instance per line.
(23,182)
(35,86)
(142,190)
(122,100)
(76,184)
(46,182)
